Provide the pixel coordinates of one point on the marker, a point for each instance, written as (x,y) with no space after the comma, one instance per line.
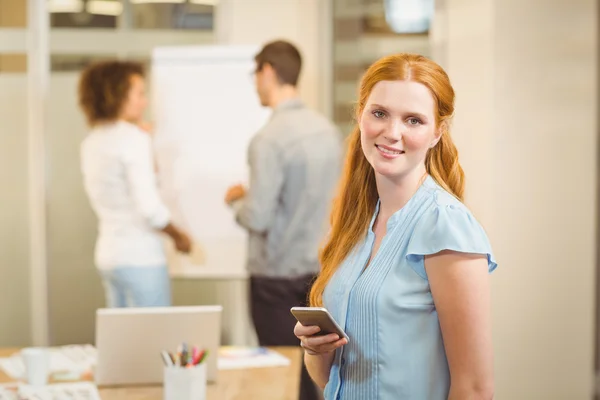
(196,357)
(193,356)
(205,353)
(199,357)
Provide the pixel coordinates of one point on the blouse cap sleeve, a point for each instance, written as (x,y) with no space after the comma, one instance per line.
(447,226)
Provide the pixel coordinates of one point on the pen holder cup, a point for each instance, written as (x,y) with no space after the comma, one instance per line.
(182,383)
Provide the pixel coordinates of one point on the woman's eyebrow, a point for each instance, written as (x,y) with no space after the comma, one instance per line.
(412,113)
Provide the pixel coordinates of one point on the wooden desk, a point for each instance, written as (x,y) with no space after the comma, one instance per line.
(278,383)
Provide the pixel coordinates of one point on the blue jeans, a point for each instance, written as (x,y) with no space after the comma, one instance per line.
(137,287)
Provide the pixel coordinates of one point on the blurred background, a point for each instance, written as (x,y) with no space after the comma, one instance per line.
(526,126)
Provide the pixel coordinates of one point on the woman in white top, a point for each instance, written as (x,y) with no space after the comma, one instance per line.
(120,181)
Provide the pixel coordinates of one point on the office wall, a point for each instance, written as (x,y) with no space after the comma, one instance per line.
(74,289)
(525,75)
(14,222)
(13,14)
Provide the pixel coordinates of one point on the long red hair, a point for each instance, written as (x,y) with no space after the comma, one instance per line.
(357,196)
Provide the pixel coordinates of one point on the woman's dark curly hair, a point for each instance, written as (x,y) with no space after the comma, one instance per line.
(103,89)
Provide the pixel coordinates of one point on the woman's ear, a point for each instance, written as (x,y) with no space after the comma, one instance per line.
(442,128)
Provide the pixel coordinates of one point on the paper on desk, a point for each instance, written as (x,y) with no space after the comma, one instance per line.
(75,358)
(60,391)
(233,357)
(8,391)
(13,367)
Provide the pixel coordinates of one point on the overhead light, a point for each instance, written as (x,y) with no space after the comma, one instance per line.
(65,6)
(409,16)
(157,1)
(104,7)
(205,2)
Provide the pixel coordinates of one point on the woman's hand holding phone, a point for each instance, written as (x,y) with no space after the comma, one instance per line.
(315,344)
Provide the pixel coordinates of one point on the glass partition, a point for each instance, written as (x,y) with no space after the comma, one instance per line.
(134,14)
(365,30)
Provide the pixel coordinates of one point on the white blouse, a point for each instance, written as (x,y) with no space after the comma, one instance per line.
(120,181)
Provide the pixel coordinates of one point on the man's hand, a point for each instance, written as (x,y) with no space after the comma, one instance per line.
(235,193)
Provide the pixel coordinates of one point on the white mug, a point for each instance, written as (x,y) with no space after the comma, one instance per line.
(37,365)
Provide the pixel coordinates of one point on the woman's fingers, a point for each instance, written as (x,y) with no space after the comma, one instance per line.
(315,341)
(317,344)
(326,348)
(323,344)
(301,330)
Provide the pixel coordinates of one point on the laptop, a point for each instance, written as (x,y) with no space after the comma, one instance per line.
(129,341)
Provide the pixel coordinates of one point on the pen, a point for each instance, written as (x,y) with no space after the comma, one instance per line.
(191,358)
(179,356)
(166,358)
(184,354)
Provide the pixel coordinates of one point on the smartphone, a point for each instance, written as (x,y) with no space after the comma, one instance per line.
(319,316)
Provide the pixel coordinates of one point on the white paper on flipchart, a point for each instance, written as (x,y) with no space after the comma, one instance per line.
(73,358)
(206,111)
(59,391)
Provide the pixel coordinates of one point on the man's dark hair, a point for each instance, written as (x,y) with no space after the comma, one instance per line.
(285,59)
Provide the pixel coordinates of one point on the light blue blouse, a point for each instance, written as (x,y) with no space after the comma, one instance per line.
(396,349)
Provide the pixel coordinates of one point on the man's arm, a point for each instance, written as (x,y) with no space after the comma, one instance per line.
(256,209)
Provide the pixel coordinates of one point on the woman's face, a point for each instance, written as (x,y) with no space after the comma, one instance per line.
(136,101)
(398,127)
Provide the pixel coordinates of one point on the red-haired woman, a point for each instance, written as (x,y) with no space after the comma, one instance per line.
(405,270)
